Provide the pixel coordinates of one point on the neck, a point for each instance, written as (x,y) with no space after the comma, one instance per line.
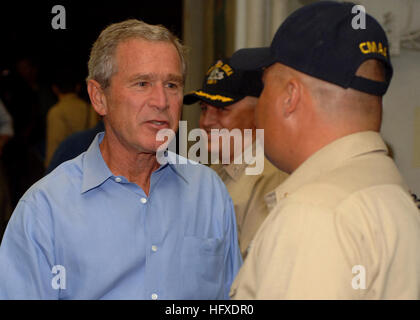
(137,167)
(324,135)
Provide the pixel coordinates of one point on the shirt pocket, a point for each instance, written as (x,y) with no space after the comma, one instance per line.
(202,261)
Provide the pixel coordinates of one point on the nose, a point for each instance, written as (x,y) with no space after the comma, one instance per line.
(208,117)
(159,99)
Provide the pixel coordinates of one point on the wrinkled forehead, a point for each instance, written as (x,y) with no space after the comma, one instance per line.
(141,51)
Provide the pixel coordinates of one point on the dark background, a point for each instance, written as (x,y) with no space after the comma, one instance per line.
(25,29)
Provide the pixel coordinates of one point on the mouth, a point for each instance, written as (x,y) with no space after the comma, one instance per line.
(158,124)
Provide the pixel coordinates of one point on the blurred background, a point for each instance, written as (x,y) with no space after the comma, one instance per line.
(32,54)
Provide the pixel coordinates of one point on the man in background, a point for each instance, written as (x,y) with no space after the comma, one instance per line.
(74,145)
(71,114)
(228,99)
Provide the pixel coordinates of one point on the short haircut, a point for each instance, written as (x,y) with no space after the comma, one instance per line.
(101,63)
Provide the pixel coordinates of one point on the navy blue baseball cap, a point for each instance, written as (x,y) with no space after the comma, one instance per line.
(224,85)
(320,40)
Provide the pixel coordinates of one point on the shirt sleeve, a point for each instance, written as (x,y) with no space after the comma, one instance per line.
(233,258)
(26,256)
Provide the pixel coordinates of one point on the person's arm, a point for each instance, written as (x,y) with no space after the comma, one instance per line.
(27,255)
(233,258)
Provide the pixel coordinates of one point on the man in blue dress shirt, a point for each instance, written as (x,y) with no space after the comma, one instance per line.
(114,223)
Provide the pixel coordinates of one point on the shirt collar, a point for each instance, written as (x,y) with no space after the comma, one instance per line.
(96,171)
(327,159)
(235,171)
(176,163)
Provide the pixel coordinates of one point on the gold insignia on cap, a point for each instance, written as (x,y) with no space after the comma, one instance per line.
(218,71)
(213,96)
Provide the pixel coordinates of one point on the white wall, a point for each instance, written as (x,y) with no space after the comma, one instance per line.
(400,102)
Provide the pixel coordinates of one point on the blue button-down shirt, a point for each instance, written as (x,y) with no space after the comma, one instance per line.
(83,233)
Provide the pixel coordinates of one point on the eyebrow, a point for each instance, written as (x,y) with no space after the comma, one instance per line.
(155,76)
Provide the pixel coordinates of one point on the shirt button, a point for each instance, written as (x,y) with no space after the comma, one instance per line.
(154,296)
(154,248)
(117,179)
(143,200)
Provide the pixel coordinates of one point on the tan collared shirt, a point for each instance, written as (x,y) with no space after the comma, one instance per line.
(69,115)
(343,227)
(247,193)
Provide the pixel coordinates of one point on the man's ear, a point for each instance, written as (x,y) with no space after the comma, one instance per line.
(97,97)
(292,97)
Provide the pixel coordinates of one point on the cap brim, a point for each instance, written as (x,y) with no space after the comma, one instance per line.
(216,100)
(191,98)
(252,58)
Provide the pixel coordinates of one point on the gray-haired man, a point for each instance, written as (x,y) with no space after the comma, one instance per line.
(113,223)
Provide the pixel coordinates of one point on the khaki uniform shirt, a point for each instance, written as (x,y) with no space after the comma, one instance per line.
(247,193)
(343,227)
(69,115)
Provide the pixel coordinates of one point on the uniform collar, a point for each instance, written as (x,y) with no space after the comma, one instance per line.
(327,159)
(235,171)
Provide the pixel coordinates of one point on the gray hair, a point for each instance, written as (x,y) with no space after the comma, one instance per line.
(101,63)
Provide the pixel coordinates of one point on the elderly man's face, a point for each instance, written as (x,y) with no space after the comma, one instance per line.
(239,115)
(145,93)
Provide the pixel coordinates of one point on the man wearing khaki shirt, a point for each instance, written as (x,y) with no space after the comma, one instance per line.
(228,99)
(71,113)
(344,225)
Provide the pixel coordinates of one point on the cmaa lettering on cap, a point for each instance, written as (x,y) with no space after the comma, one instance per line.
(371,47)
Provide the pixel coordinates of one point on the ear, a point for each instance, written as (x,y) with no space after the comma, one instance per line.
(97,97)
(292,97)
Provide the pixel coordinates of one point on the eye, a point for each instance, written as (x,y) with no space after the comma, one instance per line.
(172,85)
(142,84)
(203,106)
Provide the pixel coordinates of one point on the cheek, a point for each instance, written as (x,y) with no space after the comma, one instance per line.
(175,108)
(263,112)
(201,121)
(230,121)
(259,116)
